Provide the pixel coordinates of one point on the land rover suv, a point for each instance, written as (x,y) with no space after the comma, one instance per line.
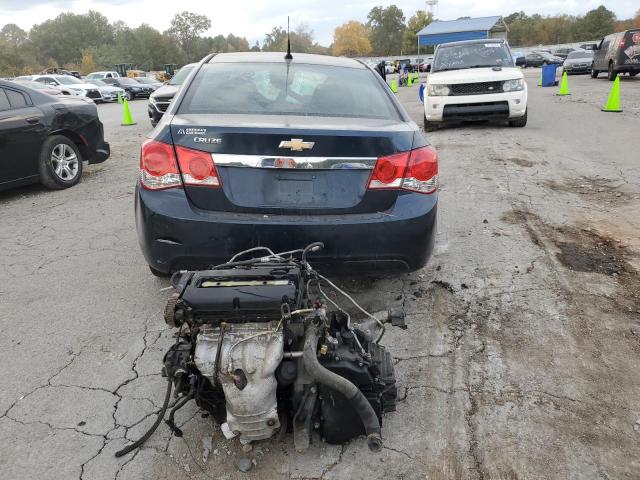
(474,80)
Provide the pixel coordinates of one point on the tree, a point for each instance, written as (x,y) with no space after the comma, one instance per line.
(410,36)
(636,19)
(596,23)
(350,39)
(386,26)
(301,41)
(186,28)
(275,41)
(13,34)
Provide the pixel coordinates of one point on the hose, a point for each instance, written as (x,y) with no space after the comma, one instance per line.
(345,387)
(153,428)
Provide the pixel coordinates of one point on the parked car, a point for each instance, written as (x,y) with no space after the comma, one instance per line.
(69,85)
(149,82)
(132,89)
(160,99)
(291,154)
(45,138)
(102,75)
(563,52)
(474,80)
(617,53)
(539,58)
(108,92)
(578,61)
(38,86)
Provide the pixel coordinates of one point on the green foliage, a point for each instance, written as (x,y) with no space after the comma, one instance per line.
(386,28)
(186,28)
(416,23)
(301,41)
(536,29)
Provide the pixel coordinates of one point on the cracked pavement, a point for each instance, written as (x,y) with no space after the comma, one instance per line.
(520,359)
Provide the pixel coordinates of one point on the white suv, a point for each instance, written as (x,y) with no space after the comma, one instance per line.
(474,80)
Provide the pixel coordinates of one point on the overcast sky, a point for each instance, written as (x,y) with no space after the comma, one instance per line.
(253,18)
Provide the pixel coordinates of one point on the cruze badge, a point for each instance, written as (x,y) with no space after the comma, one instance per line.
(296,144)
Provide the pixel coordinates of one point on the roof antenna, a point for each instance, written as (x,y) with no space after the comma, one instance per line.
(288,56)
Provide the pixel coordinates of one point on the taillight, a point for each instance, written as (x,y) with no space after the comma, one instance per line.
(416,171)
(197,167)
(158,166)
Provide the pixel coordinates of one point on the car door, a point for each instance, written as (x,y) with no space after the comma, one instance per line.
(600,57)
(22,132)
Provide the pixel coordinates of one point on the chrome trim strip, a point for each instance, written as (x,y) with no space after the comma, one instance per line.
(292,162)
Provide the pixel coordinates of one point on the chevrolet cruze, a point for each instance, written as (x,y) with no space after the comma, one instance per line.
(260,150)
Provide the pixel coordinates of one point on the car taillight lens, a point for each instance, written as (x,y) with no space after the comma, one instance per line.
(416,171)
(197,167)
(158,166)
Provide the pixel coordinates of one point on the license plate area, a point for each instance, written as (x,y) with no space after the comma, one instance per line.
(291,190)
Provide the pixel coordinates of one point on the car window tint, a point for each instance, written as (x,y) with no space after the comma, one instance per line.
(276,89)
(4,101)
(17,99)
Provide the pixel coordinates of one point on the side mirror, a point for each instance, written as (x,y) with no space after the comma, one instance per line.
(520,62)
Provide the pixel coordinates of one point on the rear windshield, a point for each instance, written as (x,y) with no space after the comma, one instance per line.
(300,89)
(472,55)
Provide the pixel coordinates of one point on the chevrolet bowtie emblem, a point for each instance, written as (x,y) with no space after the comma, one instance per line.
(296,144)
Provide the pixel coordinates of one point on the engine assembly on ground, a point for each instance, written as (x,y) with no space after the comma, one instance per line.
(260,349)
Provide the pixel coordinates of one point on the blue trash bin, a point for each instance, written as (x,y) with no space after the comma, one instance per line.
(549,75)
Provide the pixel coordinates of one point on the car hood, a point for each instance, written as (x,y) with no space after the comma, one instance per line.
(85,86)
(473,75)
(166,91)
(109,89)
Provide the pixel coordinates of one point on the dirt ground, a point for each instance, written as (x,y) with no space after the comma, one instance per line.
(521,357)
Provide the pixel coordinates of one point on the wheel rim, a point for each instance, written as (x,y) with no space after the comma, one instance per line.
(64,162)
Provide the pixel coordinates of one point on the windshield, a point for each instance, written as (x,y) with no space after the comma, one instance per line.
(67,80)
(471,55)
(276,89)
(95,75)
(99,83)
(181,76)
(580,55)
(146,80)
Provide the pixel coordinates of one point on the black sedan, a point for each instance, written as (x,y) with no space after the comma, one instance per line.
(46,138)
(257,150)
(537,59)
(132,89)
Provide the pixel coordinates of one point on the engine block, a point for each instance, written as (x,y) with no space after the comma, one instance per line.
(248,358)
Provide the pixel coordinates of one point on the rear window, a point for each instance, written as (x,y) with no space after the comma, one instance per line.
(16,99)
(274,89)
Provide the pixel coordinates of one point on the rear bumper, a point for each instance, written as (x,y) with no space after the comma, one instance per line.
(476,107)
(174,235)
(576,69)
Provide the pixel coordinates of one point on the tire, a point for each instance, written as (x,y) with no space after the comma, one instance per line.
(129,96)
(60,163)
(594,73)
(158,273)
(520,121)
(633,74)
(429,126)
(611,73)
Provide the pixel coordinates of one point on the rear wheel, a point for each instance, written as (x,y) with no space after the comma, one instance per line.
(520,121)
(429,126)
(594,73)
(60,163)
(611,73)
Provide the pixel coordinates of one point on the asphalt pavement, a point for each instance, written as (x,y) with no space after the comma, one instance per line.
(521,355)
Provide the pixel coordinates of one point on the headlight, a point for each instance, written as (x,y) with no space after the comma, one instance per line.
(436,90)
(513,85)
(76,89)
(136,89)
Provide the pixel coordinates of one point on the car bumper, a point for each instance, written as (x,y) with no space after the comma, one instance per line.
(175,235)
(475,107)
(575,69)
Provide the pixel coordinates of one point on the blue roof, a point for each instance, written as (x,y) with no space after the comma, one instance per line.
(464,25)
